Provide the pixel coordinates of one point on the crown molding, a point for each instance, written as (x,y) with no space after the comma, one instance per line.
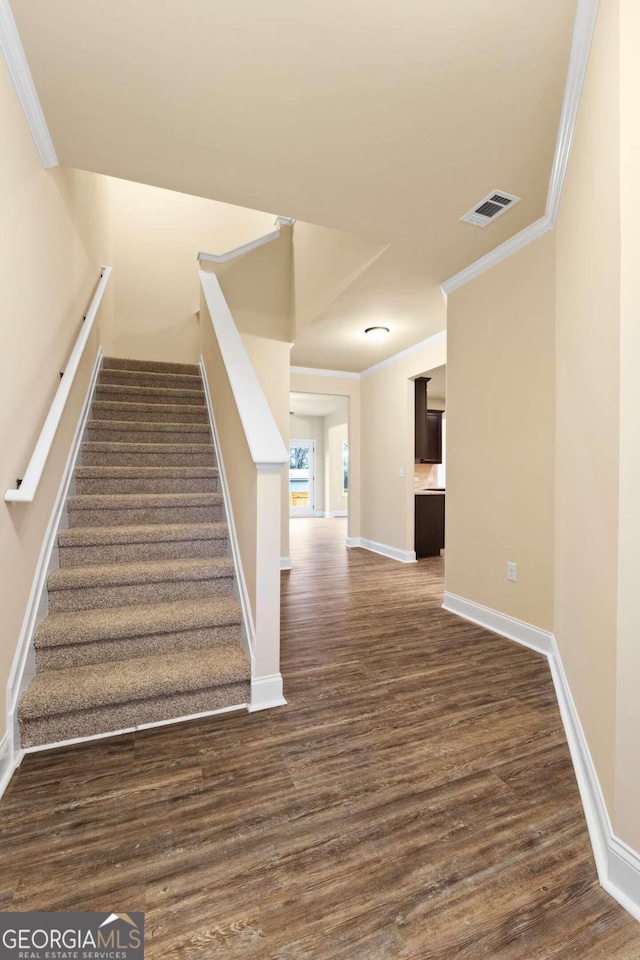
(429,342)
(18,67)
(247,247)
(318,372)
(506,249)
(583,27)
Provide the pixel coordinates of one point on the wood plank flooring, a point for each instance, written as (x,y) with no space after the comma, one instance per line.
(414,801)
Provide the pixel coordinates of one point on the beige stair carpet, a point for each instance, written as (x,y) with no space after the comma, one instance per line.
(142,623)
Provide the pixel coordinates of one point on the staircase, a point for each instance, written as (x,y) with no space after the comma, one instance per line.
(142,624)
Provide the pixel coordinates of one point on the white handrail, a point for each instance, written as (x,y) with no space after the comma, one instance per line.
(263,437)
(25,491)
(247,247)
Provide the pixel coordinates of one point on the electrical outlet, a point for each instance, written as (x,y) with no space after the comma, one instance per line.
(401,471)
(512,572)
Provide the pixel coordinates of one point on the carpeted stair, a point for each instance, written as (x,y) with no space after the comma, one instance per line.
(142,623)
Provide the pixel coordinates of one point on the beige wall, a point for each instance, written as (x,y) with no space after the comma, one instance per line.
(157,236)
(270,360)
(239,468)
(500,436)
(588,304)
(350,389)
(388,445)
(54,237)
(258,288)
(336,432)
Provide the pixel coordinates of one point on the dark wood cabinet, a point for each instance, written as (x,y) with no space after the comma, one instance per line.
(428,426)
(429,535)
(434,436)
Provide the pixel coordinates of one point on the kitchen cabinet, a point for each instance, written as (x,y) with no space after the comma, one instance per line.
(428,426)
(429,519)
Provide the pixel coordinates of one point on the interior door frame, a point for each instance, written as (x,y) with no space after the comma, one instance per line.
(310,510)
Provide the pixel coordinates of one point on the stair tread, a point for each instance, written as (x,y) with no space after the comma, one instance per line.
(153,366)
(159,377)
(114,623)
(139,571)
(141,533)
(122,446)
(145,473)
(149,426)
(125,389)
(53,692)
(142,407)
(133,501)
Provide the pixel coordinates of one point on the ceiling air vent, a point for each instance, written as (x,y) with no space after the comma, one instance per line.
(489,209)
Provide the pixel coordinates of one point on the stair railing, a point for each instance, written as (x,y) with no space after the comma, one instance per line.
(26,487)
(252,455)
(247,247)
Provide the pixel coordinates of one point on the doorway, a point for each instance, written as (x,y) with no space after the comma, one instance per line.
(302,478)
(318,455)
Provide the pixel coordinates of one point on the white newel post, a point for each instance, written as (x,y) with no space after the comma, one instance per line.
(266,687)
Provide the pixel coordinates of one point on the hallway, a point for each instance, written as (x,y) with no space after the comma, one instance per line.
(414,801)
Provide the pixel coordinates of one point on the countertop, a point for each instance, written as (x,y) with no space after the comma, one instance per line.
(429,493)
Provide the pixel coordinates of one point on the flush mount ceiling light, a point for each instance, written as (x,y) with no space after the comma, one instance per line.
(377,333)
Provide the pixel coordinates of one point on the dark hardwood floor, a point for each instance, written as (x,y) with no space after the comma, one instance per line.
(414,801)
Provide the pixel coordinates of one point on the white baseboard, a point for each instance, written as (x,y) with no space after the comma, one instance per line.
(617,864)
(518,630)
(404,556)
(240,583)
(10,760)
(285,563)
(266,692)
(23,665)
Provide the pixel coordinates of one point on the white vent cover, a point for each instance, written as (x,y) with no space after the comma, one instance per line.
(493,206)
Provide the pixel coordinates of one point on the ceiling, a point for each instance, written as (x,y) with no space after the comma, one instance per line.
(387,119)
(317,405)
(393,292)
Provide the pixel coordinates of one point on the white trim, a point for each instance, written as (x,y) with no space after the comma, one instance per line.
(339,513)
(285,563)
(317,372)
(249,629)
(29,486)
(266,692)
(393,553)
(10,760)
(247,247)
(617,864)
(506,249)
(18,67)
(263,437)
(583,27)
(429,342)
(139,726)
(539,640)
